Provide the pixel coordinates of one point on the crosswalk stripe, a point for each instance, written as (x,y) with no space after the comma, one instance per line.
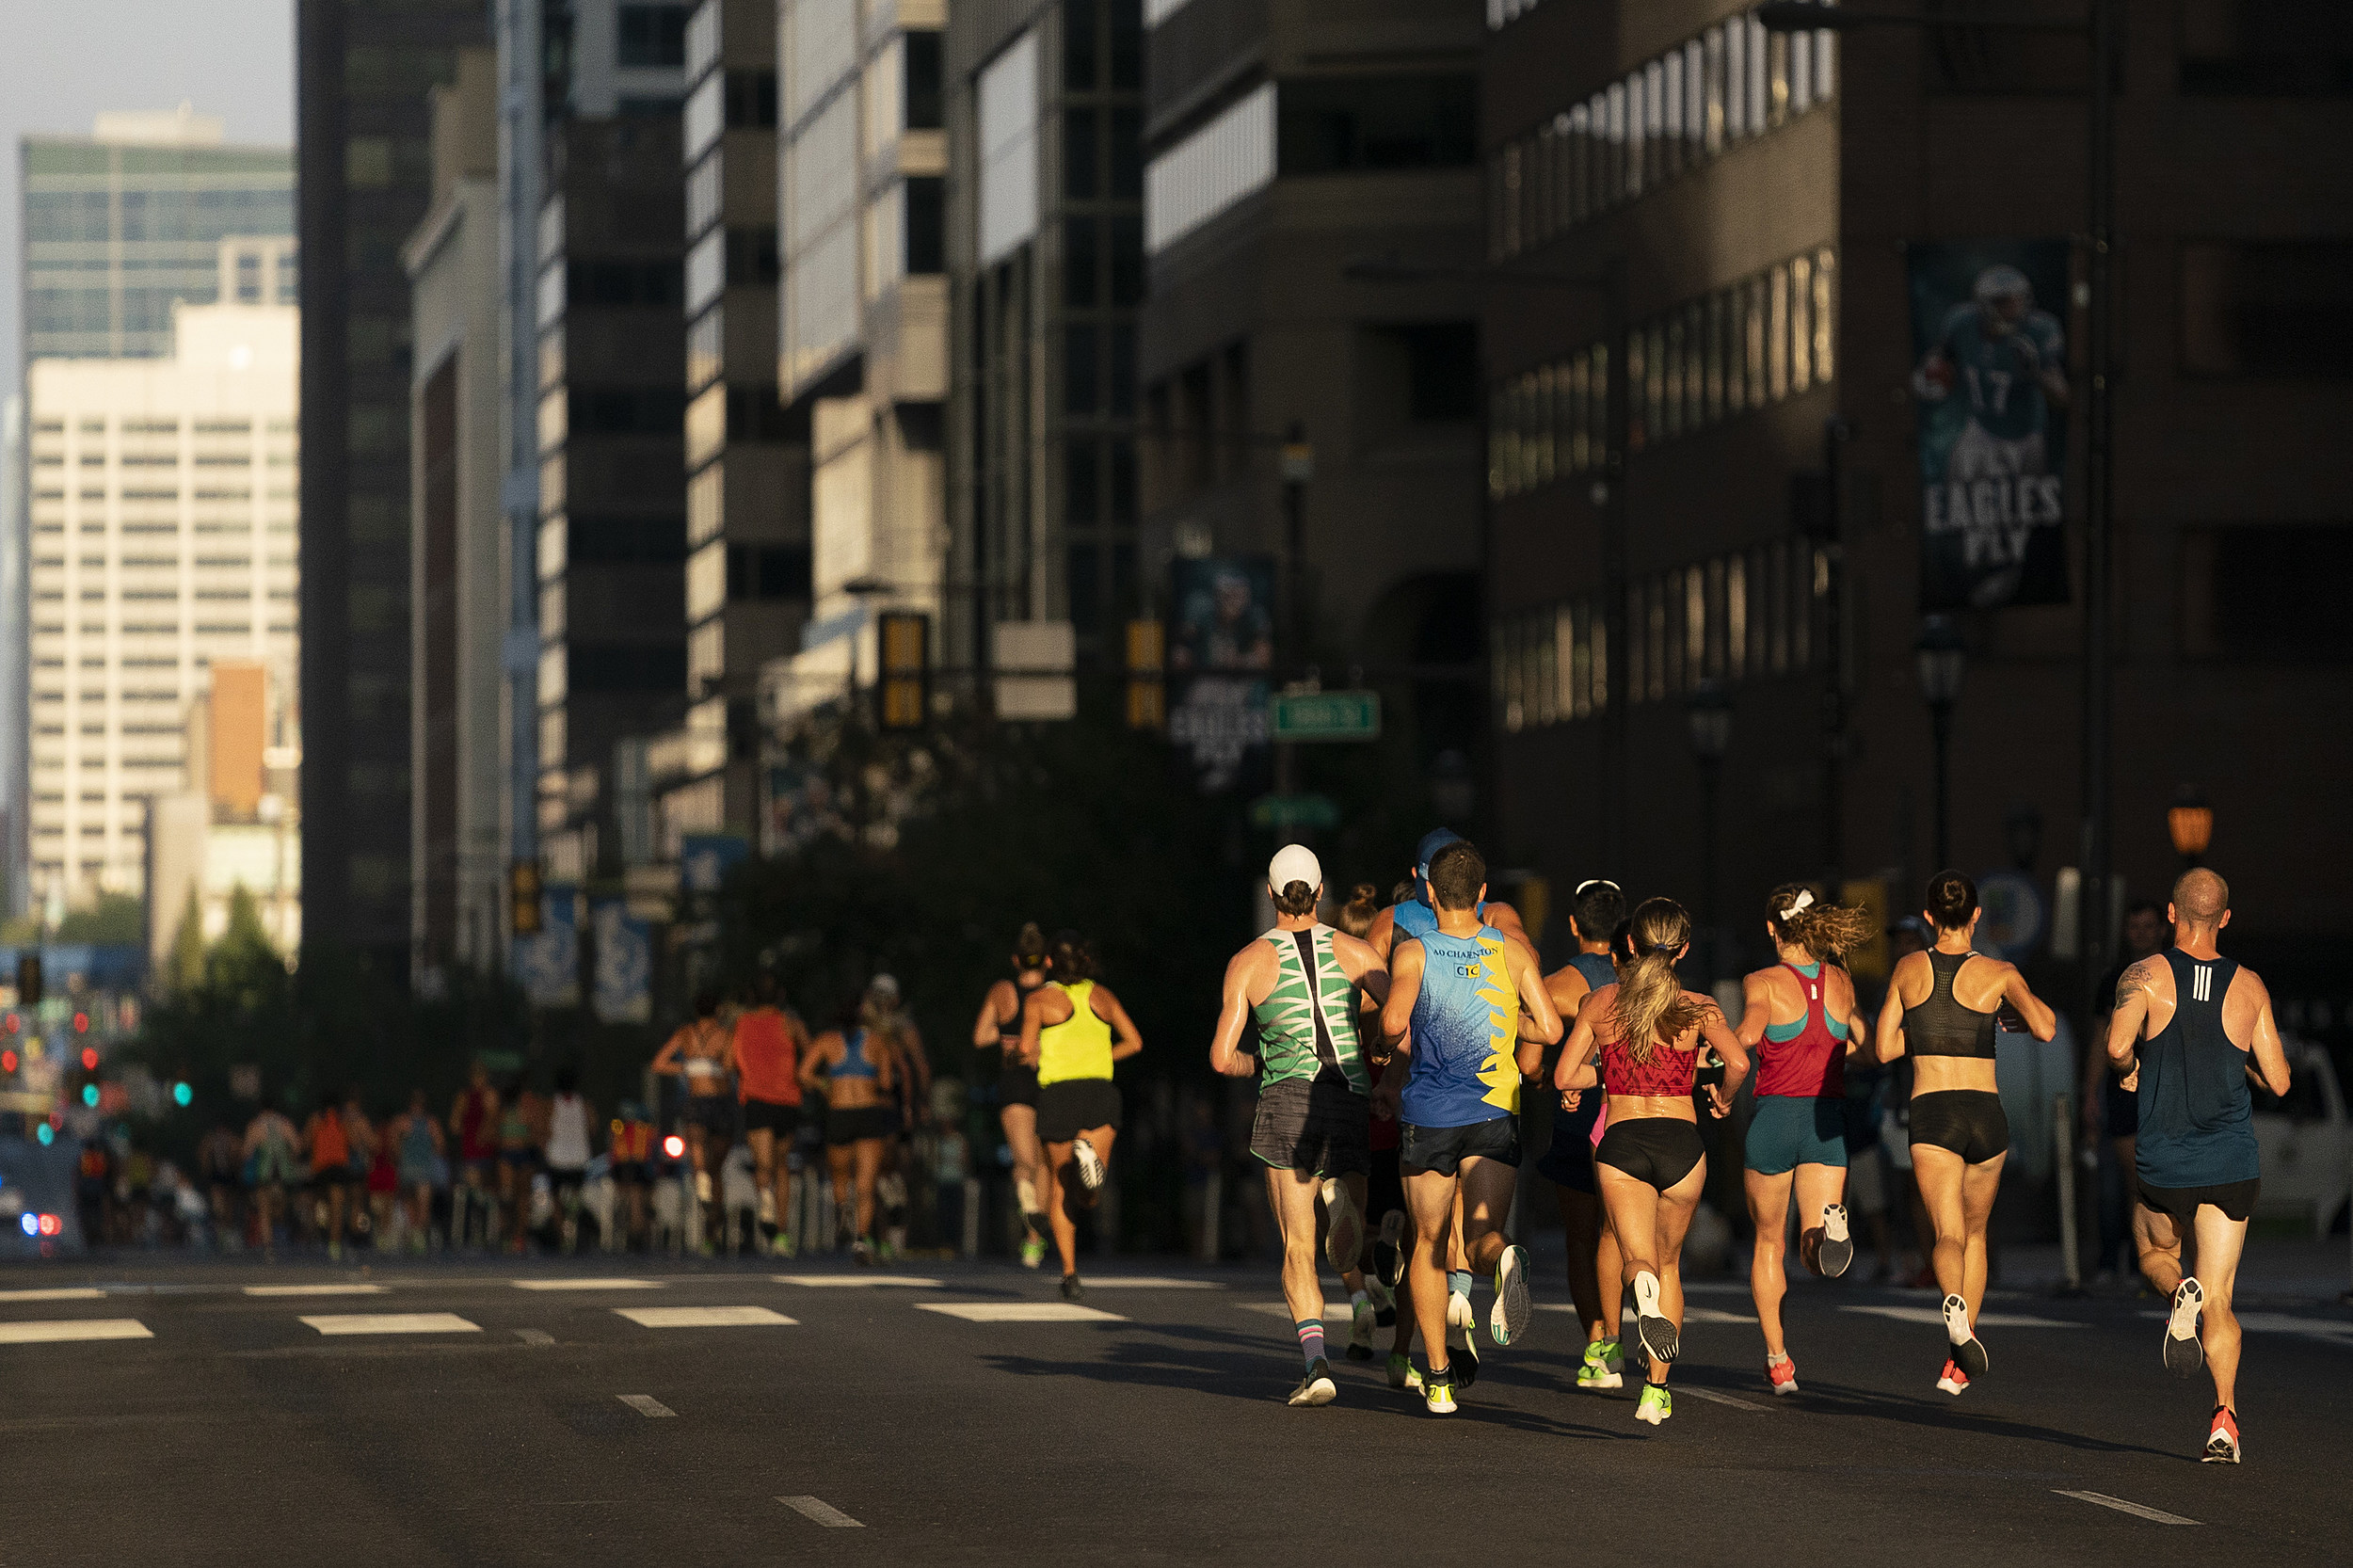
(907,1282)
(705,1317)
(585,1284)
(67,1330)
(1713,1398)
(822,1511)
(316,1289)
(391,1322)
(644,1404)
(1021,1312)
(537,1339)
(2103,1500)
(1985,1320)
(79,1293)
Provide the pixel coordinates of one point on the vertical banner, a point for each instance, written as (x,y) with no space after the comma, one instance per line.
(705,859)
(1221,649)
(547,965)
(624,983)
(1990,383)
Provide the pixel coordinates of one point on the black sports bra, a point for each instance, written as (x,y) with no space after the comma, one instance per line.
(1941,1026)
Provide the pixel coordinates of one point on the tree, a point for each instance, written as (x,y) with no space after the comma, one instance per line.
(118,919)
(184,967)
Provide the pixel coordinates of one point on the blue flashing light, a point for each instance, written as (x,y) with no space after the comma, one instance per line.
(182,1094)
(30,1225)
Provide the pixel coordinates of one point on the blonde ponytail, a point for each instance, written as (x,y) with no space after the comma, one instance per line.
(1652,1008)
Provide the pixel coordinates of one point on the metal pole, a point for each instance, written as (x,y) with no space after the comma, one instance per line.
(1941,725)
(2063,1155)
(1297,457)
(2099,499)
(1709,768)
(1616,648)
(1834,434)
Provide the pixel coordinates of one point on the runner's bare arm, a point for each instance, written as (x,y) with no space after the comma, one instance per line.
(816,1059)
(1756,1008)
(1397,1024)
(2270,1057)
(1361,963)
(987,1028)
(1226,1057)
(1858,1027)
(664,1060)
(1890,1045)
(2129,1016)
(1575,1070)
(1717,1032)
(1126,1042)
(1541,1021)
(2042,1021)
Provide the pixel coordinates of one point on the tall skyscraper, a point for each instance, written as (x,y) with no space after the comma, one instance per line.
(364,73)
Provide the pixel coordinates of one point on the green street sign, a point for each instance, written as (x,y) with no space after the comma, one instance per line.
(1327,716)
(1277,811)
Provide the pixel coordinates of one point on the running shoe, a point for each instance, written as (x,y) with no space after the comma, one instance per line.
(2222,1438)
(1388,1253)
(1437,1392)
(862,1253)
(1968,1354)
(1507,1317)
(1344,1236)
(1360,1330)
(1071,1290)
(1090,1164)
(1838,1246)
(1655,1404)
(2184,1354)
(1024,1194)
(1460,1315)
(1403,1374)
(1317,1387)
(1033,1252)
(1653,1326)
(1383,1305)
(783,1245)
(1783,1375)
(768,1207)
(1602,1367)
(1952,1380)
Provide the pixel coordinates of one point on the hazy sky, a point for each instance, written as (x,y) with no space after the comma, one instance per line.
(66,61)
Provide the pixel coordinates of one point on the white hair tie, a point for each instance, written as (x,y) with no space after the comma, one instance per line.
(1804,901)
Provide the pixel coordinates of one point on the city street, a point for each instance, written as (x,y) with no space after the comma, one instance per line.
(625,1411)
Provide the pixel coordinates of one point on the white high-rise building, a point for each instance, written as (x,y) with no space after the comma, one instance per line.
(162,539)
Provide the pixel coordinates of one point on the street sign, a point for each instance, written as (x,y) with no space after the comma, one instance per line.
(1293,812)
(1327,716)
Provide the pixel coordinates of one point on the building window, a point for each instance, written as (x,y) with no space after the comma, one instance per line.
(751,104)
(2265,48)
(2266,593)
(2277,309)
(651,36)
(1335,124)
(922,81)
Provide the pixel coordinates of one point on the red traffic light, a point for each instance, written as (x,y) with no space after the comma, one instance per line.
(81,1023)
(7,1061)
(89,1059)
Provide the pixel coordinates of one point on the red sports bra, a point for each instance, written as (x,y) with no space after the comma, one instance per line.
(1668,1072)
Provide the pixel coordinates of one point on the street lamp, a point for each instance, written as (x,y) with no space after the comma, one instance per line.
(1944,660)
(2191,821)
(1709,714)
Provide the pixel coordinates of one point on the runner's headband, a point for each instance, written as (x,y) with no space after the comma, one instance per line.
(1595,882)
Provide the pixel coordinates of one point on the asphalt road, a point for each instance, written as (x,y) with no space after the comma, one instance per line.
(544,1426)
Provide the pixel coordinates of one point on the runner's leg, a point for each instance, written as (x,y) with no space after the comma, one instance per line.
(1029,1159)
(1768,1281)
(867,1156)
(1101,1137)
(1580,1222)
(1060,1173)
(1978,1189)
(841,1162)
(763,1146)
(1292,1196)
(2220,1241)
(1633,1206)
(1430,1198)
(1816,1187)
(2158,1237)
(1486,1189)
(1939,1173)
(1677,1205)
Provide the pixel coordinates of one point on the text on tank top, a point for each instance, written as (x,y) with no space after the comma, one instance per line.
(1466,1025)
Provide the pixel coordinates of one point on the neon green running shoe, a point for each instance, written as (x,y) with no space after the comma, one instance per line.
(1602,1368)
(1657,1404)
(1403,1374)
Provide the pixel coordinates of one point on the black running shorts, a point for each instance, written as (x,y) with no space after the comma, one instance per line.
(1318,1125)
(1016,1083)
(1074,1106)
(857,1126)
(1969,1122)
(770,1116)
(1659,1150)
(1443,1149)
(2236,1199)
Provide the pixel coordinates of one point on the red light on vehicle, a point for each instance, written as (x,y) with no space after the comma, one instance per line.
(7,1061)
(50,1225)
(674,1146)
(81,1023)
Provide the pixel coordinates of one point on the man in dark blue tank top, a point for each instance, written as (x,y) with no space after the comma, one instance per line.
(1596,909)
(2190,1028)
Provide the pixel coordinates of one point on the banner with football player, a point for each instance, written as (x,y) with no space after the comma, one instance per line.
(1989,349)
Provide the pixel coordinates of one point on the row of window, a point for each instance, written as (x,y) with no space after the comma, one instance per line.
(1733,82)
(1745,615)
(1760,340)
(145,426)
(158,629)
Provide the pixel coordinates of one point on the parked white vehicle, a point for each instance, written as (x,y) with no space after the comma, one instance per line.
(2306,1142)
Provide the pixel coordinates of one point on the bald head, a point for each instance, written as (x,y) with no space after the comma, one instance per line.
(2200,897)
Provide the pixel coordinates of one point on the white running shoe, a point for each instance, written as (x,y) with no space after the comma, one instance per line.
(1389,1252)
(1838,1246)
(1655,1329)
(1317,1387)
(1968,1354)
(1460,1315)
(1360,1329)
(2184,1354)
(1383,1305)
(1344,1238)
(1090,1164)
(1508,1318)
(1024,1194)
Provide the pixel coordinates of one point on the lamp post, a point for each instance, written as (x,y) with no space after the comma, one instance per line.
(1944,660)
(2190,823)
(1709,714)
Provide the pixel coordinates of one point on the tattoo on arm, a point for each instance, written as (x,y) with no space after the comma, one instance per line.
(2133,979)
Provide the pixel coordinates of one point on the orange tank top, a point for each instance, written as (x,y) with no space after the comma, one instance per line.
(766,1065)
(330,1149)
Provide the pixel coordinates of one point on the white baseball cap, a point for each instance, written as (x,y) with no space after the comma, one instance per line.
(1294,863)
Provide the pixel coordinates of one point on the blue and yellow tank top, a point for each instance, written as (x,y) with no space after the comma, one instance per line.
(1465,1026)
(1079,1047)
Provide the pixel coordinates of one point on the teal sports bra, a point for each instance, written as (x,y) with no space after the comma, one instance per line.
(1781,1034)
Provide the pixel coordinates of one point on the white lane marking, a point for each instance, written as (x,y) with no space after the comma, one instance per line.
(84,1293)
(822,1511)
(2328,1329)
(1713,1398)
(1340,1314)
(316,1289)
(69,1329)
(1021,1312)
(537,1339)
(646,1405)
(2122,1507)
(871,1282)
(1985,1320)
(393,1322)
(1148,1282)
(585,1284)
(704,1316)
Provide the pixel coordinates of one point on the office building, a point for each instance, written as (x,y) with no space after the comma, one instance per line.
(365,174)
(1776,204)
(164,539)
(234,823)
(458,576)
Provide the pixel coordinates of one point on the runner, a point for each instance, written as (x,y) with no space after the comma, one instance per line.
(697,1053)
(270,1142)
(473,1121)
(330,1144)
(1454,1085)
(857,1069)
(1800,1021)
(419,1152)
(998,1028)
(628,1154)
(1073,1030)
(2110,1115)
(2190,1028)
(1298,983)
(765,1053)
(523,1131)
(1383,1258)
(569,1117)
(1639,1038)
(885,1016)
(1596,911)
(1940,1010)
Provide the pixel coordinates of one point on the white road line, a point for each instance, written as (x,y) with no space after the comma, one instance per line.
(1985,1320)
(2336,1331)
(537,1339)
(822,1511)
(2158,1514)
(83,1293)
(646,1405)
(1021,1312)
(1713,1398)
(704,1316)
(585,1284)
(1331,1313)
(871,1282)
(316,1289)
(66,1330)
(1148,1282)
(393,1322)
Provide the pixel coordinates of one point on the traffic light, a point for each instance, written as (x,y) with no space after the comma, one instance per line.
(524,895)
(89,1059)
(81,1023)
(1148,689)
(7,1061)
(906,668)
(28,980)
(182,1094)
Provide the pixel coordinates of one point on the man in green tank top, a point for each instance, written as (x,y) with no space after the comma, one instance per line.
(1298,983)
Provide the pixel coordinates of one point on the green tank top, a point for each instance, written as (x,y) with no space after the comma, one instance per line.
(1309,1022)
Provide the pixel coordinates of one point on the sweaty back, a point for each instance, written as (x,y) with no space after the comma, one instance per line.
(1940,1025)
(1465,1021)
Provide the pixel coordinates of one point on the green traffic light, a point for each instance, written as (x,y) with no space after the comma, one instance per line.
(182,1094)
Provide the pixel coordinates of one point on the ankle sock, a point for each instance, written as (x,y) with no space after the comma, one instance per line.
(1458,1281)
(1311,1341)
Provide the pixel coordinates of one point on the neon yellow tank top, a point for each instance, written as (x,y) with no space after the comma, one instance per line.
(1081,1046)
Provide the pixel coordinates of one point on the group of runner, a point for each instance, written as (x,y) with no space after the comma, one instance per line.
(1427,1020)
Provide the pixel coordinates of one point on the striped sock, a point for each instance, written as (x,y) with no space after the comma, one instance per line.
(1311,1341)
(1459,1282)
